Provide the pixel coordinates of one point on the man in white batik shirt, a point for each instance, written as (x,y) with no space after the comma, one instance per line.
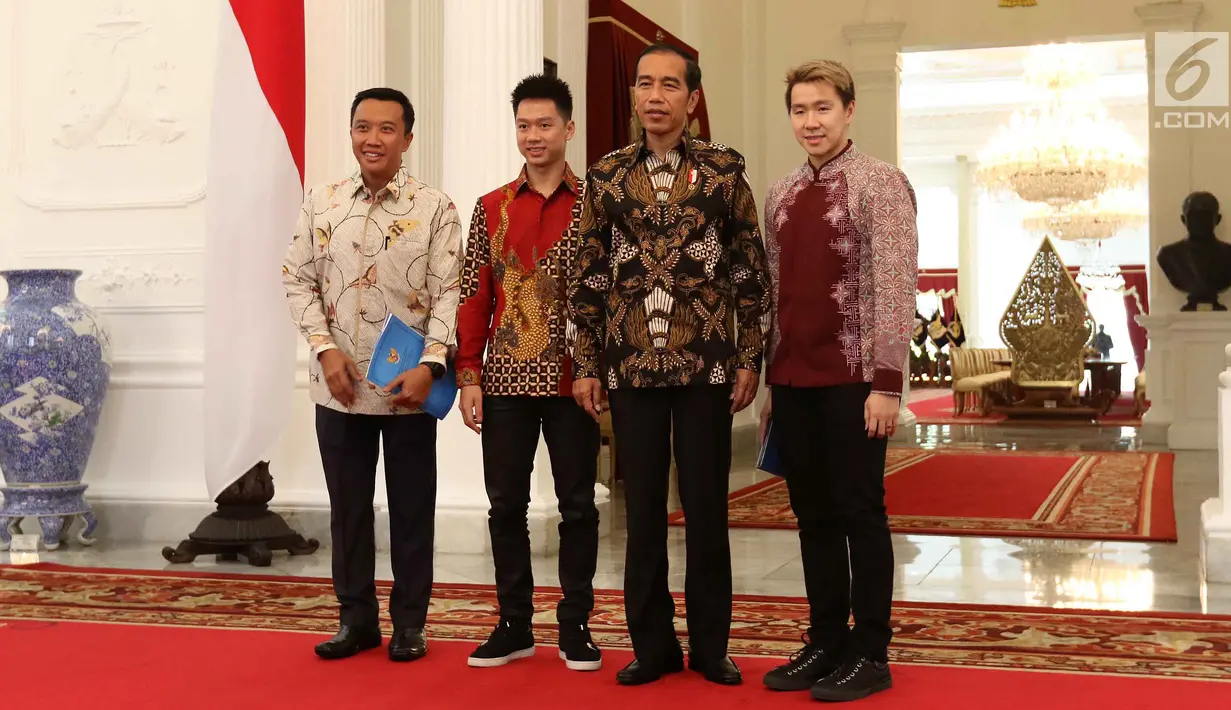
(377,243)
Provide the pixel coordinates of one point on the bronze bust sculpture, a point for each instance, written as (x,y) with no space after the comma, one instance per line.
(1199,265)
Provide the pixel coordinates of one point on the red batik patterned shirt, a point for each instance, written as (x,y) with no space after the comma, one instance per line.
(513,291)
(843,248)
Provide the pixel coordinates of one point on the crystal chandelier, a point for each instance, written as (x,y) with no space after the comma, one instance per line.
(1100,276)
(1063,148)
(1089,220)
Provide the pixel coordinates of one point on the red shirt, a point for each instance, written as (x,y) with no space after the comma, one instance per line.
(842,245)
(513,297)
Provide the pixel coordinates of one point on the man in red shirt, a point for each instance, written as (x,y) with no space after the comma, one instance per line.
(513,305)
(842,245)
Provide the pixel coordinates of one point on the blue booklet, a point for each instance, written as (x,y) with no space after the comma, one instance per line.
(769,459)
(397,350)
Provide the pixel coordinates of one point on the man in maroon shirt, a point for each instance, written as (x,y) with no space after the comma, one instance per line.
(513,306)
(842,245)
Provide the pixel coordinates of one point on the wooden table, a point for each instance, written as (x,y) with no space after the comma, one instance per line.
(1106,378)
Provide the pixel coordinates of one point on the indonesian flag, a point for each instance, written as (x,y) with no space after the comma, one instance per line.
(253,200)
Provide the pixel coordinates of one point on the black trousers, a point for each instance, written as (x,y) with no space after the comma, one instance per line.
(511,426)
(644,422)
(350,448)
(836,478)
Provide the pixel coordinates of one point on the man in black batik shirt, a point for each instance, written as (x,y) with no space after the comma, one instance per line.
(670,298)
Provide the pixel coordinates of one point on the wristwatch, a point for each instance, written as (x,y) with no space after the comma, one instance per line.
(438,370)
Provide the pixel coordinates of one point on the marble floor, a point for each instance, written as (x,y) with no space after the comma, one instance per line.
(1048,573)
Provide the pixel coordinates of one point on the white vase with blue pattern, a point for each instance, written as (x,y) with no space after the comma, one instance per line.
(55,367)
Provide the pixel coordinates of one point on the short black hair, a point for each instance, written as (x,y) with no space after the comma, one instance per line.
(385,94)
(692,70)
(541,86)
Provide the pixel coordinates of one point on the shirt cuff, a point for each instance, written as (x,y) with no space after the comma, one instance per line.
(583,370)
(323,347)
(434,352)
(886,381)
(469,376)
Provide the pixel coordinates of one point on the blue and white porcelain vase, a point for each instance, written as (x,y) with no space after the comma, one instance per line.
(55,367)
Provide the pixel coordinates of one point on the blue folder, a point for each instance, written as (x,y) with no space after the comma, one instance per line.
(397,350)
(769,459)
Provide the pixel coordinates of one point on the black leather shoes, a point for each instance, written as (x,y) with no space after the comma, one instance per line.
(724,672)
(349,641)
(407,645)
(638,673)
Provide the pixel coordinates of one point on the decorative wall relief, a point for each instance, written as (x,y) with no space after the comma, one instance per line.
(116,277)
(55,367)
(126,124)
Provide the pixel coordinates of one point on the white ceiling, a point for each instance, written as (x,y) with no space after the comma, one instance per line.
(953,101)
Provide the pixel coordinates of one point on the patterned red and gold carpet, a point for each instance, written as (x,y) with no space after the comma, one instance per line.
(129,639)
(1102,496)
(939,410)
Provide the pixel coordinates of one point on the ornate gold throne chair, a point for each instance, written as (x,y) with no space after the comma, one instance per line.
(1047,327)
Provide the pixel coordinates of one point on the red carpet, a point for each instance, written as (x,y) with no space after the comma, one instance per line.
(138,667)
(1104,496)
(130,639)
(939,410)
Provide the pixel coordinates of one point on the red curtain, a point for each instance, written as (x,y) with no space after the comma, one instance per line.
(940,280)
(1136,302)
(618,33)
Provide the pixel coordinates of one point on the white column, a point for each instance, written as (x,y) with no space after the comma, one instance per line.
(489,46)
(1216,512)
(426,89)
(355,33)
(572,40)
(1170,180)
(876,67)
(967,249)
(1170,154)
(363,37)
(364,33)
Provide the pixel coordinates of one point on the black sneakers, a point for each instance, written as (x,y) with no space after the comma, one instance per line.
(510,640)
(577,649)
(806,667)
(856,679)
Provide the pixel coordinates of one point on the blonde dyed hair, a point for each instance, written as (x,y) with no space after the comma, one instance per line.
(822,70)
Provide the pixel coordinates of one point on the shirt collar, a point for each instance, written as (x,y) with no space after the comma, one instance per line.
(523,181)
(835,163)
(686,146)
(402,183)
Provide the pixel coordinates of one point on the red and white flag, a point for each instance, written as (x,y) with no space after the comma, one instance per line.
(253,200)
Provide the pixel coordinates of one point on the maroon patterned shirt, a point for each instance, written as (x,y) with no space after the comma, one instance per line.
(843,249)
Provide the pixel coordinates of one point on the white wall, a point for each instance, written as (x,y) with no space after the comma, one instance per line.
(109,176)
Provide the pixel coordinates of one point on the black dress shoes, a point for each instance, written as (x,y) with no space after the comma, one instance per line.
(349,641)
(638,673)
(408,644)
(724,672)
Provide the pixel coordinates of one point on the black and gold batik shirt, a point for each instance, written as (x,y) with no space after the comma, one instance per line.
(669,284)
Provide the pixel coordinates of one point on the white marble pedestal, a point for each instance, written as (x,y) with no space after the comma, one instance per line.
(1216,512)
(1182,369)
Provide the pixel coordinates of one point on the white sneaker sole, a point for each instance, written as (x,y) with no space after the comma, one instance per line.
(496,662)
(581,665)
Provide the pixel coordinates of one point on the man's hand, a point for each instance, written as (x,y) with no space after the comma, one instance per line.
(340,374)
(745,389)
(416,383)
(880,415)
(766,412)
(589,395)
(470,404)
